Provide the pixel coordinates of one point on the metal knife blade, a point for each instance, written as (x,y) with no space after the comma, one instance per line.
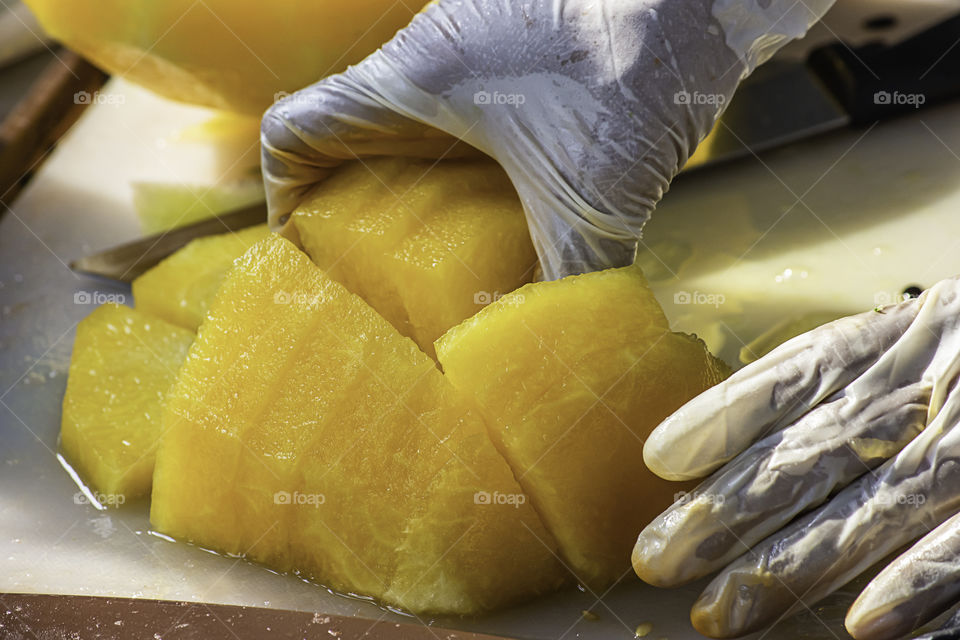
(127,261)
(65,616)
(781,102)
(836,86)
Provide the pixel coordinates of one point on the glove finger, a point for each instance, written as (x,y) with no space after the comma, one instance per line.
(400,100)
(343,117)
(797,468)
(776,479)
(571,236)
(772,392)
(919,585)
(905,498)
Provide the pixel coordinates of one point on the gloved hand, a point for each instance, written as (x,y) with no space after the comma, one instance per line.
(591,106)
(827,454)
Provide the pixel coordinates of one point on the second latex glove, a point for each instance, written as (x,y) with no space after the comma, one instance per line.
(591,106)
(859,416)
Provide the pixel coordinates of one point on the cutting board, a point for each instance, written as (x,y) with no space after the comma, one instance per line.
(833,224)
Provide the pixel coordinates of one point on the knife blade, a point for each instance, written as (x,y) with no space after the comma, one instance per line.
(837,86)
(782,102)
(107,618)
(127,261)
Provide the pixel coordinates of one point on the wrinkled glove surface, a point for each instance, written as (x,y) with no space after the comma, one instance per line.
(591,106)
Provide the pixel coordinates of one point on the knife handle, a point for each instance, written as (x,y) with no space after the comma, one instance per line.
(38,120)
(876,81)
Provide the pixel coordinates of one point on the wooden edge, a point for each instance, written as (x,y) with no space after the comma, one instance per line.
(52,104)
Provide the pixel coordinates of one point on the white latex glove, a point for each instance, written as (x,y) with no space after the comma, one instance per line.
(591,106)
(859,416)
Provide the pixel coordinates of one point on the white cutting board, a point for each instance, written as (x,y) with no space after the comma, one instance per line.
(878,211)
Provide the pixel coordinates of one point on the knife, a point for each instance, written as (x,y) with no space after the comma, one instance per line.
(782,102)
(63,616)
(127,261)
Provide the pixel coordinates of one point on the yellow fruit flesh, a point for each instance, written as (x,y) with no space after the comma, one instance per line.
(426,244)
(180,288)
(122,365)
(573,376)
(319,397)
(228,54)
